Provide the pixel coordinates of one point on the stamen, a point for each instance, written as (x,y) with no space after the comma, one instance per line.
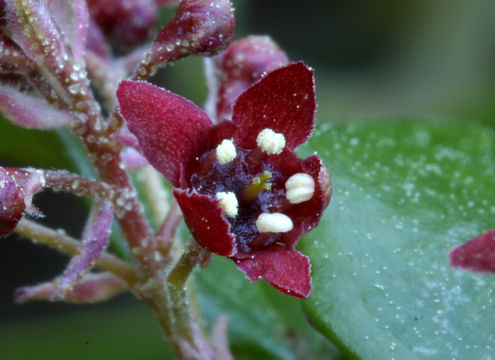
(274,223)
(300,187)
(271,142)
(226,152)
(228,202)
(258,184)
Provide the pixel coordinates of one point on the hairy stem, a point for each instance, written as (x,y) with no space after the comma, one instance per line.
(59,180)
(166,234)
(58,240)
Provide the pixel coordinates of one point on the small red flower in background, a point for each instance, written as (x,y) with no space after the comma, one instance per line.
(243,191)
(477,254)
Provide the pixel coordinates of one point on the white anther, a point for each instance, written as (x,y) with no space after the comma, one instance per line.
(300,187)
(274,223)
(270,142)
(228,202)
(226,152)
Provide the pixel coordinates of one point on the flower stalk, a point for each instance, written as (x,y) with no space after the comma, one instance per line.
(58,240)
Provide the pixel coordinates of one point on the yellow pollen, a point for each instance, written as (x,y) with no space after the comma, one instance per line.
(258,184)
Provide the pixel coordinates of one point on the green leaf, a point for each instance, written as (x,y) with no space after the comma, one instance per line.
(404,194)
(263,323)
(96,332)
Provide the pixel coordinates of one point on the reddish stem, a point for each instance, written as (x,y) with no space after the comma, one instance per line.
(166,233)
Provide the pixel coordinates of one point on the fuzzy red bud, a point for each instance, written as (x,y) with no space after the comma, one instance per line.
(199,28)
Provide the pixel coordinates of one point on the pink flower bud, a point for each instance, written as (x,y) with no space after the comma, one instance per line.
(129,22)
(17,188)
(50,33)
(200,27)
(243,63)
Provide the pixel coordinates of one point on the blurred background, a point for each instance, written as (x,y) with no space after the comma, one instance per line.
(428,58)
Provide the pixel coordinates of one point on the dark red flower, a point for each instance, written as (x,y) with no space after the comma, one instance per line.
(243,191)
(477,254)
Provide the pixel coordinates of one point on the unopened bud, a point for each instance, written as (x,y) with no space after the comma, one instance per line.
(244,62)
(200,27)
(128,22)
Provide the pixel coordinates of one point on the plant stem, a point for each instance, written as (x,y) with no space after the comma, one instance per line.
(59,180)
(166,233)
(58,240)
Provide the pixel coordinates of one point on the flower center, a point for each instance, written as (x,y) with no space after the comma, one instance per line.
(258,184)
(251,192)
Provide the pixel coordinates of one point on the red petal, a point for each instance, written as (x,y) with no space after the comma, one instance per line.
(204,218)
(477,254)
(169,128)
(243,63)
(283,101)
(284,268)
(305,215)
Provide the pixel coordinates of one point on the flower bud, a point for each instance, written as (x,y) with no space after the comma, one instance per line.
(128,22)
(49,32)
(244,62)
(17,188)
(200,27)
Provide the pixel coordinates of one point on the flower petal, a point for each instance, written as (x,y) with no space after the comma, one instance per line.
(283,267)
(35,31)
(95,239)
(477,254)
(306,215)
(30,112)
(243,63)
(283,101)
(91,288)
(170,129)
(204,218)
(132,159)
